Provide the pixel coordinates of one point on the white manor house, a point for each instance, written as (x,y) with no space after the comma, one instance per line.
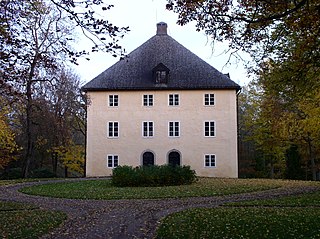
(162,104)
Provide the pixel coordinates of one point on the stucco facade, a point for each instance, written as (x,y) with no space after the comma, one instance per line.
(192,144)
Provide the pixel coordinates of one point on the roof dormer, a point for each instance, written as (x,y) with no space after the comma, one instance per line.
(160,74)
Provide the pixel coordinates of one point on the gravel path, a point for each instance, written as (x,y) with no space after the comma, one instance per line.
(125,218)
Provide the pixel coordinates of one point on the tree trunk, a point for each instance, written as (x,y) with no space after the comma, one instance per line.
(30,144)
(313,165)
(65,171)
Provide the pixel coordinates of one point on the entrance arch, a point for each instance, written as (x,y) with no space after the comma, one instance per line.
(148,158)
(174,158)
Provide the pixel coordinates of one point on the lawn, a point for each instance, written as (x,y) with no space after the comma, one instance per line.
(102,189)
(27,221)
(287,217)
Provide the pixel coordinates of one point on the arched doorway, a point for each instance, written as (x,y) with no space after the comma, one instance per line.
(174,158)
(148,159)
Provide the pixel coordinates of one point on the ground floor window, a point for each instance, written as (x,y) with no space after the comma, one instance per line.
(174,158)
(209,160)
(113,161)
(148,159)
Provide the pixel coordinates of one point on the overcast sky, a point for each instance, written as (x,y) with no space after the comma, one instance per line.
(142,16)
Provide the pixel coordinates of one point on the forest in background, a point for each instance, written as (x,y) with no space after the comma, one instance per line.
(43,111)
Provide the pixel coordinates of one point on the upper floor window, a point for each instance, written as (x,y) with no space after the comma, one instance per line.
(113,129)
(147,100)
(113,100)
(147,129)
(174,99)
(209,160)
(113,161)
(208,99)
(174,129)
(209,128)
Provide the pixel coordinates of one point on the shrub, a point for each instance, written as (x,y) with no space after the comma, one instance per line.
(152,176)
(42,173)
(12,173)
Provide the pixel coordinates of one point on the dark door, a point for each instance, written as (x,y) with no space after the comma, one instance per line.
(174,159)
(148,159)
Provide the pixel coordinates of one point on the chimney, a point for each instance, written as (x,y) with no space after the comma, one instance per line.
(162,28)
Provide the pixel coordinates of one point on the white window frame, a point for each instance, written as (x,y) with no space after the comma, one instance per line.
(211,159)
(149,133)
(207,99)
(112,133)
(113,100)
(112,160)
(214,128)
(176,125)
(147,100)
(174,99)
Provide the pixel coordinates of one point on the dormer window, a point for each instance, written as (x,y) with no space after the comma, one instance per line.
(160,74)
(161,77)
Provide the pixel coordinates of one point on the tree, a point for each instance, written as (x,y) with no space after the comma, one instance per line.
(8,146)
(35,40)
(71,156)
(260,122)
(258,27)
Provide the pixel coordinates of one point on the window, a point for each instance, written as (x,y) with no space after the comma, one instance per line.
(161,77)
(208,99)
(209,128)
(113,100)
(174,129)
(113,161)
(209,160)
(147,100)
(160,74)
(147,129)
(113,129)
(174,99)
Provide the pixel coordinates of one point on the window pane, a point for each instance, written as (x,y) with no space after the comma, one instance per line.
(211,128)
(145,100)
(170,99)
(115,100)
(110,100)
(150,100)
(150,129)
(206,99)
(170,128)
(110,163)
(206,128)
(211,99)
(115,161)
(176,99)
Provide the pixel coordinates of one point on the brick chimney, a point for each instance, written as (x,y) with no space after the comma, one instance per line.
(162,28)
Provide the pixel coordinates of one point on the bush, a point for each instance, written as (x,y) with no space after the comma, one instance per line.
(152,176)
(42,173)
(12,173)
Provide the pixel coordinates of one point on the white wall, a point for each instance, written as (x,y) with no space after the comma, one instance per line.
(191,144)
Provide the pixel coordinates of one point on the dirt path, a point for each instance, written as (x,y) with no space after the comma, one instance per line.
(125,218)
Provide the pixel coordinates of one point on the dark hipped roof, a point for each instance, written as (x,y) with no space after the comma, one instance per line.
(187,71)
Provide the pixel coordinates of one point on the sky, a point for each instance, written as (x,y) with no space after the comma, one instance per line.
(142,16)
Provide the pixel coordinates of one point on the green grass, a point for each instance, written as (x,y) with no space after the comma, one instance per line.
(25,180)
(303,200)
(27,221)
(249,223)
(286,217)
(102,189)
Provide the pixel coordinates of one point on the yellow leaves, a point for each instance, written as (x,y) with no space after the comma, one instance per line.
(7,143)
(71,156)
